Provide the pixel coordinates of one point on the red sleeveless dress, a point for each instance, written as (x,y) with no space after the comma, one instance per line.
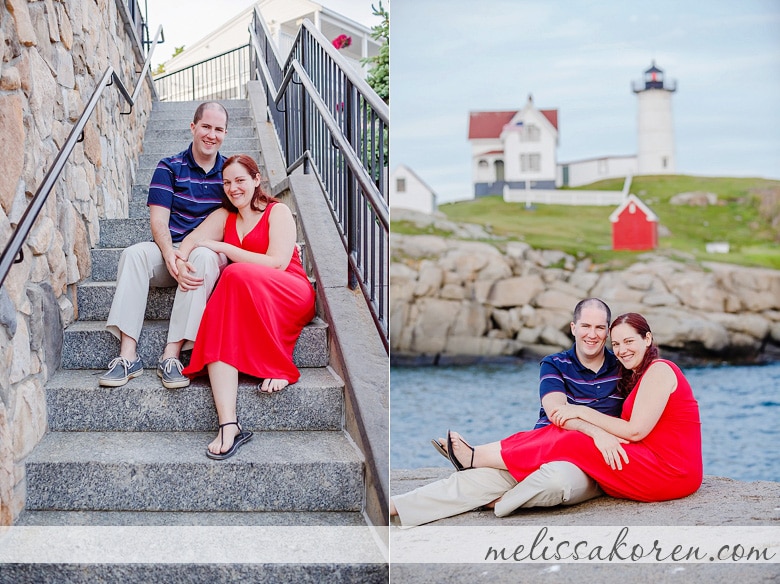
(666,464)
(256,313)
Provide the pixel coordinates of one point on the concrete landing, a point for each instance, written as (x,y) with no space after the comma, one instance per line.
(719,502)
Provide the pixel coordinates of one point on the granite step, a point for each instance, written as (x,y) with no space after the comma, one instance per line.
(187,108)
(137,208)
(105,263)
(218,572)
(350,546)
(169,471)
(76,403)
(124,232)
(187,518)
(88,345)
(184,116)
(94,301)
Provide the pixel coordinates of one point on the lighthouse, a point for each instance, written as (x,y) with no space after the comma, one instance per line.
(655,149)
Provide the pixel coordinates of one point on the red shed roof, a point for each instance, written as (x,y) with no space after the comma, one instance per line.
(490,124)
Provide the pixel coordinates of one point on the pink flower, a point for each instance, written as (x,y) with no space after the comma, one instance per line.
(342,41)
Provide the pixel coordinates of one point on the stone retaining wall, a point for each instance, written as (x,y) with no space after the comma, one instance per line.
(53,54)
(467,298)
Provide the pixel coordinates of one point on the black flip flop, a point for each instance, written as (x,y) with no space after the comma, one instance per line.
(241,438)
(451,455)
(440,449)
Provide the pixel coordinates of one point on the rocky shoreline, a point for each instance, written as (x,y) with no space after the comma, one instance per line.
(463,301)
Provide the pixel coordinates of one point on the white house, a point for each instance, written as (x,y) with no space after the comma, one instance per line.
(510,148)
(513,148)
(283,18)
(409,191)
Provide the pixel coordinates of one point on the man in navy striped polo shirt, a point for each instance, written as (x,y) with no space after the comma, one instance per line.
(585,374)
(184,190)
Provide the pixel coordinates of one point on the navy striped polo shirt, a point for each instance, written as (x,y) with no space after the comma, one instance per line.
(181,185)
(563,372)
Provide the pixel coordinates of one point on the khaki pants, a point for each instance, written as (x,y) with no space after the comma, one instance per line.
(555,483)
(142,266)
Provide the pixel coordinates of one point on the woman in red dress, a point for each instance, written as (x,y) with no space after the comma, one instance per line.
(658,456)
(262,300)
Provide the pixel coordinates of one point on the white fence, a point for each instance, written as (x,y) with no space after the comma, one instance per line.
(567,197)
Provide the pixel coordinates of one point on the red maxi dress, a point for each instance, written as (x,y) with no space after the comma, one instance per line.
(256,313)
(665,464)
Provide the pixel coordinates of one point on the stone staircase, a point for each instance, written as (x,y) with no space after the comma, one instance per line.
(135,455)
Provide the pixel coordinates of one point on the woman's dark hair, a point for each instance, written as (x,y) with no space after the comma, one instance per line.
(260,198)
(630,378)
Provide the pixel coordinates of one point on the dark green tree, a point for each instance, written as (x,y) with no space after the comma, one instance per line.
(379,73)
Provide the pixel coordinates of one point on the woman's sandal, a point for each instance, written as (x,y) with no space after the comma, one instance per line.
(440,449)
(260,388)
(451,455)
(241,438)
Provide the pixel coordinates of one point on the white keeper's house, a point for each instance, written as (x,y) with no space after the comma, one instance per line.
(518,149)
(513,148)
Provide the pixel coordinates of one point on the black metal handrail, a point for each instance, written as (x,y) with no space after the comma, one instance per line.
(13,248)
(330,121)
(221,77)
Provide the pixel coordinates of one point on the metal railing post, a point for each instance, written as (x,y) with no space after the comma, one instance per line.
(304,112)
(352,207)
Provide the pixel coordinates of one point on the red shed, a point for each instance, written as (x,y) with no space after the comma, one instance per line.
(634,226)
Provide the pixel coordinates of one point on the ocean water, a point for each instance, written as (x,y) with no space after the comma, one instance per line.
(739,408)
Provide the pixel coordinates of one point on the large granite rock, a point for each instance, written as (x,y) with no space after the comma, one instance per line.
(465,298)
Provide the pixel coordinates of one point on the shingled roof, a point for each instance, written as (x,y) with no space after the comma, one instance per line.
(490,124)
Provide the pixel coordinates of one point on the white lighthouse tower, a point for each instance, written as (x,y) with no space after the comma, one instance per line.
(655,153)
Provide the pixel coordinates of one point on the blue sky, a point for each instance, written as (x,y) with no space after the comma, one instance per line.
(449,57)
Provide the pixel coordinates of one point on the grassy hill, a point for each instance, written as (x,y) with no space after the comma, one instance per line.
(747,216)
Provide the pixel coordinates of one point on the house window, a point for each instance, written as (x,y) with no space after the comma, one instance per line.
(483,171)
(533,134)
(530,162)
(664,161)
(400,185)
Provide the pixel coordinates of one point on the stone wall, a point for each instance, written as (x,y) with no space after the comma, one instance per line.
(54,52)
(464,298)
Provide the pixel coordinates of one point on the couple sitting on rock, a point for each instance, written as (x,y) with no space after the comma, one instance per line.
(207,212)
(622,422)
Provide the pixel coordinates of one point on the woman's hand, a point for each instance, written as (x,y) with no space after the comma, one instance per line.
(611,448)
(213,245)
(187,276)
(562,413)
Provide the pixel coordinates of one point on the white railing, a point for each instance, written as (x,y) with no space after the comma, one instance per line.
(567,197)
